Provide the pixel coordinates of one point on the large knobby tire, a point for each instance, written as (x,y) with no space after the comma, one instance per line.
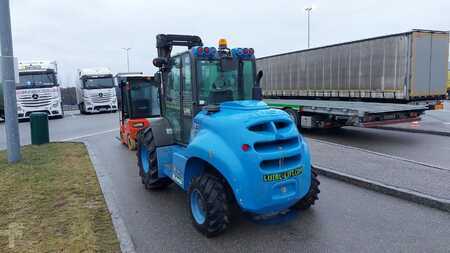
(209,205)
(313,194)
(148,162)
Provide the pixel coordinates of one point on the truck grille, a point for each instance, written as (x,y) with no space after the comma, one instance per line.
(32,101)
(102,97)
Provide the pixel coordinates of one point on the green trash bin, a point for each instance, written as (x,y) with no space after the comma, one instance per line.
(39,128)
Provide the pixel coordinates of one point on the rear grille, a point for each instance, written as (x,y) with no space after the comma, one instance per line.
(270,126)
(277,145)
(283,163)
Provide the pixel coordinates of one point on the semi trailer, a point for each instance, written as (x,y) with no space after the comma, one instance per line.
(38,89)
(381,80)
(218,141)
(96,91)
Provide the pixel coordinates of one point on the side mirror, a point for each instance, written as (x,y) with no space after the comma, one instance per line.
(257,91)
(258,77)
(159,62)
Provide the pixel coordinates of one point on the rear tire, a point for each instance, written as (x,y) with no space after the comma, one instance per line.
(209,205)
(310,198)
(148,162)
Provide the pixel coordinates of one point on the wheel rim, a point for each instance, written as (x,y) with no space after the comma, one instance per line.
(144,158)
(198,207)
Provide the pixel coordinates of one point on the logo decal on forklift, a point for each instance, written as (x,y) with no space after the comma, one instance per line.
(283,175)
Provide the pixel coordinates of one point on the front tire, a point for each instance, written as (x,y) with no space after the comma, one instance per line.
(313,194)
(148,162)
(209,205)
(131,144)
(81,108)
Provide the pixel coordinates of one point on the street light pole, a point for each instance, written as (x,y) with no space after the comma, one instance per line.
(127,49)
(8,79)
(308,11)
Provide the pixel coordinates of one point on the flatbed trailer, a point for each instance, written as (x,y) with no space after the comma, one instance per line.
(335,114)
(404,68)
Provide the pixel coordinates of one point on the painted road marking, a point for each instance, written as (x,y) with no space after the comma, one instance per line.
(90,135)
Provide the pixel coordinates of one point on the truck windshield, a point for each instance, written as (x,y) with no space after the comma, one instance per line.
(98,83)
(36,80)
(144,99)
(218,86)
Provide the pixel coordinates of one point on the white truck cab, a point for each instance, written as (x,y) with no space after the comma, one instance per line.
(96,90)
(38,89)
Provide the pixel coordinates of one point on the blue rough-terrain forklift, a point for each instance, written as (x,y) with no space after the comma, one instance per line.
(218,141)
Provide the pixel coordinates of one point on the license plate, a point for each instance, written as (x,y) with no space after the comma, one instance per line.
(283,175)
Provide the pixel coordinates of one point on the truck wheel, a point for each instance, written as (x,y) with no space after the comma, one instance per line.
(310,198)
(81,108)
(293,114)
(148,162)
(62,112)
(209,205)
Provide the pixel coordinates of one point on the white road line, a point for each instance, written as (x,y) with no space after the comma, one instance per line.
(381,154)
(90,135)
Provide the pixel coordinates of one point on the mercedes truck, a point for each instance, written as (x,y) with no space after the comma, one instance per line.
(38,89)
(96,91)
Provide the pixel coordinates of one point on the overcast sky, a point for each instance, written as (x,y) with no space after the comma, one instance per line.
(89,33)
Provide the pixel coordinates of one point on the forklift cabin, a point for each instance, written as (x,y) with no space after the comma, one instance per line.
(139,103)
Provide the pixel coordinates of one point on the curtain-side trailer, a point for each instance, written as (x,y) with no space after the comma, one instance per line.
(383,72)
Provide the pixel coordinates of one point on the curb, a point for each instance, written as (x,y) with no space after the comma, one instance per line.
(410,195)
(124,237)
(420,131)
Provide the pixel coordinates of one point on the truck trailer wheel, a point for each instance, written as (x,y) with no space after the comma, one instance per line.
(148,162)
(310,198)
(293,114)
(209,205)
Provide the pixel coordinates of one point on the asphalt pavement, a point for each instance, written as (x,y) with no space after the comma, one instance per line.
(72,126)
(346,218)
(426,148)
